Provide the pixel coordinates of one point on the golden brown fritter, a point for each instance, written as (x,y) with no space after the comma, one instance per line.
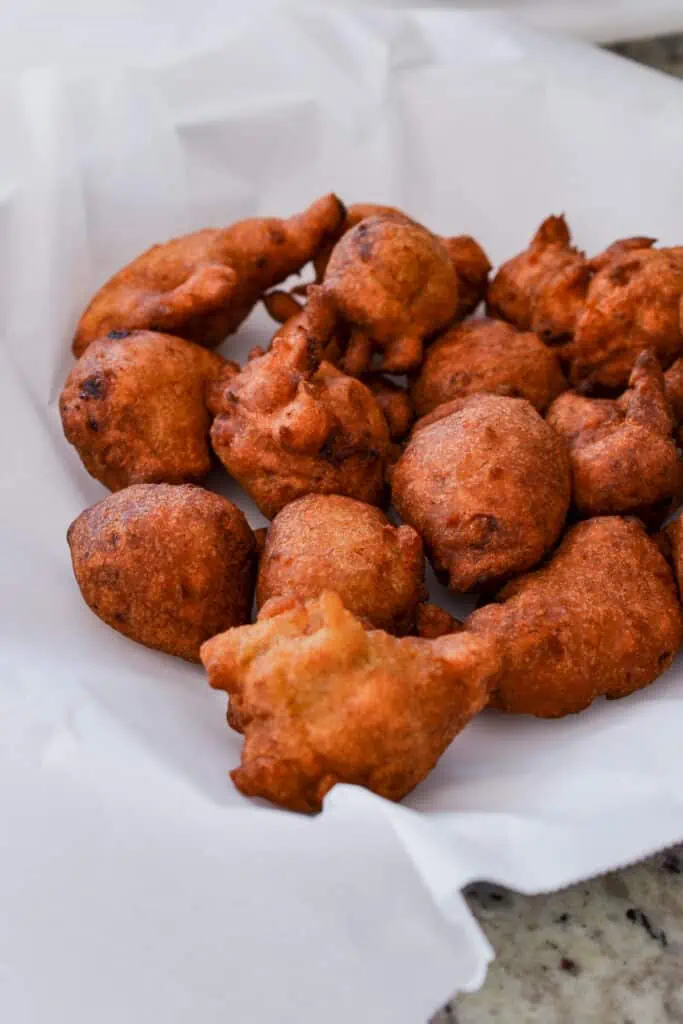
(472,266)
(355,213)
(670,542)
(135,409)
(543,288)
(395,403)
(486,483)
(394,285)
(328,542)
(292,424)
(623,456)
(487,356)
(202,286)
(321,700)
(673,385)
(168,566)
(433,622)
(601,617)
(632,304)
(470,262)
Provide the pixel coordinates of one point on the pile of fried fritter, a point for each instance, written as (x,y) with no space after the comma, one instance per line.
(532,454)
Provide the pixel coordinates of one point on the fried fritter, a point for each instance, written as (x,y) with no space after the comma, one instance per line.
(469,260)
(472,266)
(394,284)
(486,483)
(623,456)
(395,403)
(433,622)
(292,424)
(135,409)
(355,213)
(202,286)
(673,385)
(328,542)
(632,304)
(543,288)
(487,356)
(601,617)
(321,700)
(670,541)
(168,566)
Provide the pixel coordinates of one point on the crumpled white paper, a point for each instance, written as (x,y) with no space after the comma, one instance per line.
(136,884)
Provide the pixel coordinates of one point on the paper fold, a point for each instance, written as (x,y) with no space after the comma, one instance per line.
(136,883)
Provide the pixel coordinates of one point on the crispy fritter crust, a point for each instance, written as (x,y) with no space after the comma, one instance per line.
(433,622)
(471,266)
(601,617)
(486,483)
(328,542)
(670,543)
(470,262)
(167,566)
(135,409)
(395,403)
(292,424)
(673,385)
(487,356)
(623,456)
(394,284)
(603,311)
(632,304)
(544,287)
(321,700)
(201,286)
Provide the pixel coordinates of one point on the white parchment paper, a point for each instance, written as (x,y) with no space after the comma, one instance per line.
(136,885)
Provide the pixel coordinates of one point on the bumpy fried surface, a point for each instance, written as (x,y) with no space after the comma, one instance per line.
(135,409)
(632,304)
(292,424)
(472,266)
(394,284)
(670,541)
(470,262)
(433,622)
(543,288)
(395,403)
(602,617)
(622,452)
(167,566)
(673,384)
(354,215)
(202,286)
(486,483)
(328,542)
(321,700)
(487,356)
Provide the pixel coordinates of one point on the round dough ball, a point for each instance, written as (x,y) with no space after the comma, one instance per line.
(487,356)
(329,542)
(394,283)
(486,483)
(168,566)
(134,409)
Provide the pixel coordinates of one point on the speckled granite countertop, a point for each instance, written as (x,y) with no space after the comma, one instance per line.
(607,951)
